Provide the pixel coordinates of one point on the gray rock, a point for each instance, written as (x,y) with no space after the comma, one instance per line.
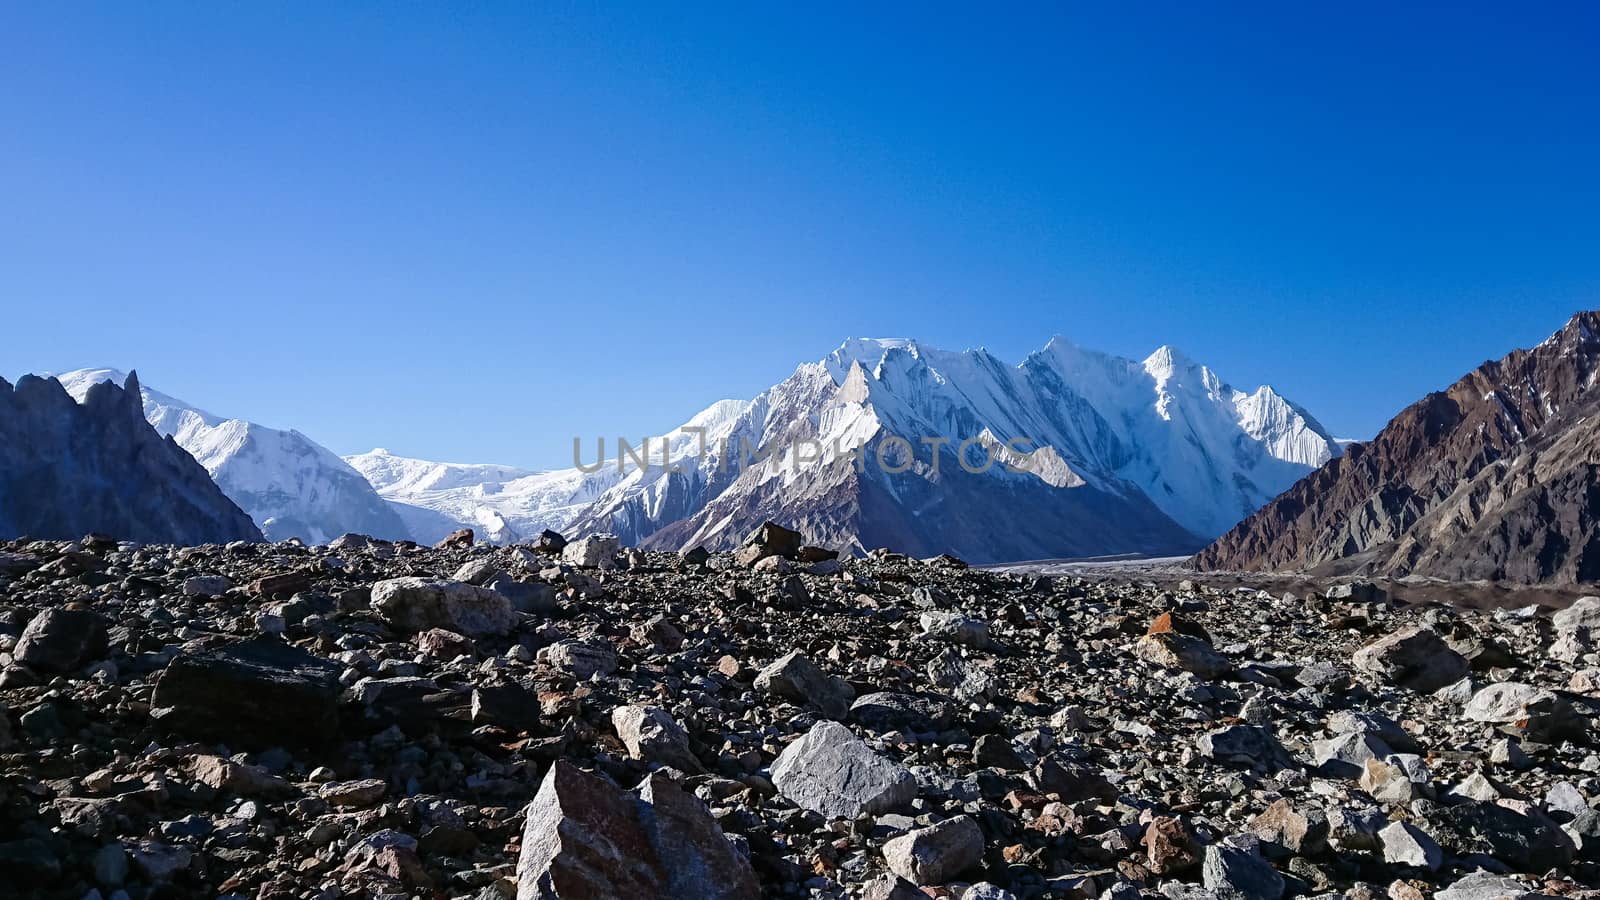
(1415,658)
(1481,885)
(583,659)
(936,854)
(1408,845)
(416,604)
(650,734)
(1541,713)
(1182,652)
(797,679)
(1234,873)
(584,837)
(956,628)
(61,640)
(595,551)
(833,772)
(1249,745)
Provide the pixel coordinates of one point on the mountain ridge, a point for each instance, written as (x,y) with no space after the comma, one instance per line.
(1492,478)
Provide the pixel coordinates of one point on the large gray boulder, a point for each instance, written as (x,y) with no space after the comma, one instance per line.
(586,838)
(832,772)
(414,604)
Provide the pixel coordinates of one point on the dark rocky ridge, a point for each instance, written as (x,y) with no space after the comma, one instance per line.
(67,469)
(992,736)
(1495,478)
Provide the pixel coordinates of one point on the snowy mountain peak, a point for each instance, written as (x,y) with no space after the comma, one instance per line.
(290,485)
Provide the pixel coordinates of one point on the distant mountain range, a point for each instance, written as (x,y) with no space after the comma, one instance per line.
(1088,454)
(1124,456)
(69,468)
(1496,477)
(290,485)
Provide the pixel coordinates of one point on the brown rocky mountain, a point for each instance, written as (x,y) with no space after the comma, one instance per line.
(1496,478)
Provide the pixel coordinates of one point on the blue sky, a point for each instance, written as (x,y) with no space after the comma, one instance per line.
(472,232)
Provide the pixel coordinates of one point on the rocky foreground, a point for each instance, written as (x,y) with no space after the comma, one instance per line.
(578,721)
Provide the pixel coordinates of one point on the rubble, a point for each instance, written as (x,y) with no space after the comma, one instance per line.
(381,720)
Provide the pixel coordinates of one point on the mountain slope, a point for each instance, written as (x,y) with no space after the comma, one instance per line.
(1121,456)
(505,504)
(67,469)
(1149,456)
(290,485)
(1493,478)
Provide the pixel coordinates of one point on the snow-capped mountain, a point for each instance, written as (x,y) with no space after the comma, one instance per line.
(290,485)
(68,468)
(1117,455)
(504,504)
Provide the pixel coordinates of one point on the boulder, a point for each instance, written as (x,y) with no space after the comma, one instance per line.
(595,551)
(771,539)
(584,838)
(650,734)
(797,679)
(1416,658)
(1236,873)
(1182,652)
(1541,714)
(61,640)
(832,772)
(254,694)
(936,854)
(415,604)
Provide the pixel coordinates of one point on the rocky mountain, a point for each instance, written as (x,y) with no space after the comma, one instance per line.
(289,484)
(1497,477)
(70,468)
(1152,456)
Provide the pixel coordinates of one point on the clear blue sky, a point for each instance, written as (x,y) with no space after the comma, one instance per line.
(471,231)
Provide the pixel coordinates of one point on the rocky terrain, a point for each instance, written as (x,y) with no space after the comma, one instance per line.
(1496,478)
(367,720)
(67,468)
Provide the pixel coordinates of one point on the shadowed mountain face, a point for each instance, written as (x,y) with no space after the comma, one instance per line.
(67,469)
(1497,477)
(291,486)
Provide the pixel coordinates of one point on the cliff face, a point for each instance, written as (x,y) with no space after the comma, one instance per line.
(1493,478)
(69,468)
